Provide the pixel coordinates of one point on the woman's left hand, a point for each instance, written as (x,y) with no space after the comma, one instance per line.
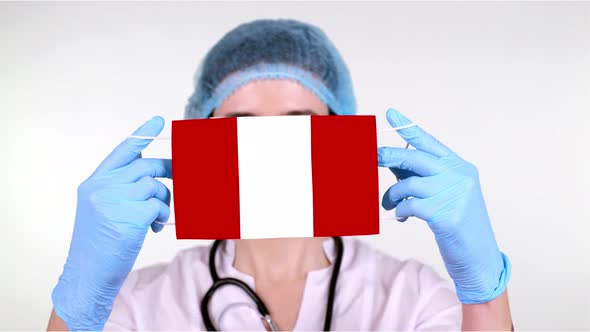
(436,185)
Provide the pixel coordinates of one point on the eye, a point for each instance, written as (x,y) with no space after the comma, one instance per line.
(301,112)
(234,115)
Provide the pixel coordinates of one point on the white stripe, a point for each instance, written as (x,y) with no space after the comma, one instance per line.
(274,162)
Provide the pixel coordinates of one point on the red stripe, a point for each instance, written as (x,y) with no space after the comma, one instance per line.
(344,173)
(205,178)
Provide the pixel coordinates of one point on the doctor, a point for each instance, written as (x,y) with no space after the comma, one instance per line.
(281,67)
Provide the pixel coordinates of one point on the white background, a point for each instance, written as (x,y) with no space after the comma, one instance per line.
(507,86)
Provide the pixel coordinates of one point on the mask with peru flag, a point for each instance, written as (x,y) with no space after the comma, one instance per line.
(275,177)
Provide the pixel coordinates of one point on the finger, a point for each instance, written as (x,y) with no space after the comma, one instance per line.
(401,174)
(416,161)
(144,189)
(412,207)
(156,228)
(163,214)
(418,187)
(130,148)
(410,187)
(162,192)
(416,136)
(156,168)
(151,210)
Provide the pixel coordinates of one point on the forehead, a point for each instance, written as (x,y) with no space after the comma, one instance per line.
(271,97)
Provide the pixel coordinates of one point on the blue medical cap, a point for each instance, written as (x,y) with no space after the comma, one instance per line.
(272,49)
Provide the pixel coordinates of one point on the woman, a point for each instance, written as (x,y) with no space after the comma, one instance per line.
(281,67)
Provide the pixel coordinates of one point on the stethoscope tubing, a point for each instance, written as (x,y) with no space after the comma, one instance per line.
(262,309)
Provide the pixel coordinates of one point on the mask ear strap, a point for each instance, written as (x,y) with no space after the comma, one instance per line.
(392,215)
(148,137)
(396,128)
(164,223)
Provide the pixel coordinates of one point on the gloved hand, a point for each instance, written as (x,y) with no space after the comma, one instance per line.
(117,205)
(444,190)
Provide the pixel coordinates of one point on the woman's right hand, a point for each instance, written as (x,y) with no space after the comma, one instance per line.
(117,205)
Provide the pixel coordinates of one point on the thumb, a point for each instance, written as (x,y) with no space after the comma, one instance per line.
(131,148)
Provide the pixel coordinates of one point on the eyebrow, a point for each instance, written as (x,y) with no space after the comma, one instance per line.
(290,112)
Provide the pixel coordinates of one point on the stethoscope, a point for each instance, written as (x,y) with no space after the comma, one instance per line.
(265,315)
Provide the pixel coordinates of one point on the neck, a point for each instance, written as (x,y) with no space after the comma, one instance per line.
(280,259)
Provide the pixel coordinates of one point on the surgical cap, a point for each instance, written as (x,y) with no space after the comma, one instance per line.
(272,49)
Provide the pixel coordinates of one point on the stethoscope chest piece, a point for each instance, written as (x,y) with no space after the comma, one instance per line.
(269,324)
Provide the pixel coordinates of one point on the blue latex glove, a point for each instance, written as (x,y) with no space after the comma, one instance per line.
(444,190)
(117,205)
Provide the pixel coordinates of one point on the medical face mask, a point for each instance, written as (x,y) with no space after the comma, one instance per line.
(275,177)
